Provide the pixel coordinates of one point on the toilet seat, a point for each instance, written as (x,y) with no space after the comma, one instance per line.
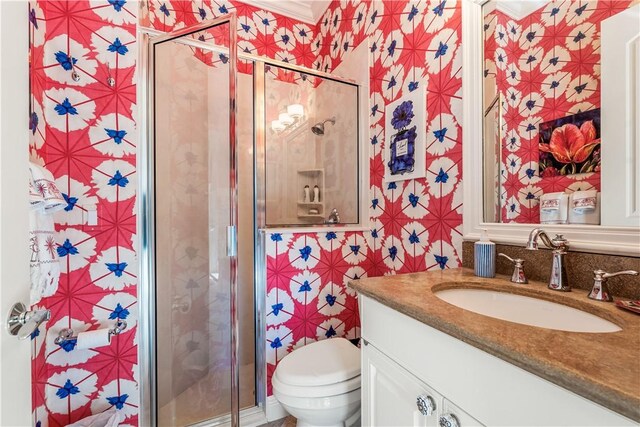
(324,368)
(315,391)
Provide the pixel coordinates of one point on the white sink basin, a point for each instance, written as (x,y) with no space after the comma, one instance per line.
(526,310)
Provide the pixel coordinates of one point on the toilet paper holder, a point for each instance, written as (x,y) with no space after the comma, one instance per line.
(67,334)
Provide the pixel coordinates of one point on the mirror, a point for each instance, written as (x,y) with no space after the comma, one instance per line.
(311,150)
(561,112)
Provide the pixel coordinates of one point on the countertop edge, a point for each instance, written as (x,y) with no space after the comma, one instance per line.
(622,403)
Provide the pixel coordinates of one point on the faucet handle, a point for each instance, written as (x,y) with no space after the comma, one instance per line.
(518,275)
(507,257)
(606,275)
(600,290)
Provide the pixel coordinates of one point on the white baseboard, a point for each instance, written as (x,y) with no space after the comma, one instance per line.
(252,417)
(274,409)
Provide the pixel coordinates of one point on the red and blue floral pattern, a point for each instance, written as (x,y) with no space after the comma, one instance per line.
(84,132)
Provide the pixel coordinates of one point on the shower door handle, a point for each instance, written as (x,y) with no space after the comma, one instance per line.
(232,241)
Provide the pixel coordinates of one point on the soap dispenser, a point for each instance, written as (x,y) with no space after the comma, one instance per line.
(484,256)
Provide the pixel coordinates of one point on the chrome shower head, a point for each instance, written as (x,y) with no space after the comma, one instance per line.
(318,128)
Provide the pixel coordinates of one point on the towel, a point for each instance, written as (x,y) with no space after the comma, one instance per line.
(109,418)
(43,192)
(554,208)
(584,201)
(44,199)
(584,207)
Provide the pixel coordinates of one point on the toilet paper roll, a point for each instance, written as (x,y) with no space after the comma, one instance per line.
(93,339)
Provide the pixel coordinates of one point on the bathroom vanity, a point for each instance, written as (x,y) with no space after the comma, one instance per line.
(428,362)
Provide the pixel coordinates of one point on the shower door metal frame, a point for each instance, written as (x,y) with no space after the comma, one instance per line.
(147,348)
(260,64)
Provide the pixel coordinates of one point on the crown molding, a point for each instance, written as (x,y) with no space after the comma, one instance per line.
(308,11)
(519,9)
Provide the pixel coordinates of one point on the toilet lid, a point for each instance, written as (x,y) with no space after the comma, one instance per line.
(320,363)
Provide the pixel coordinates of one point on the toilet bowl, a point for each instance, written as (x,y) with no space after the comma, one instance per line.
(319,383)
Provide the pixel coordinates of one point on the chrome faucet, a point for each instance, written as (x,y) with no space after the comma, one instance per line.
(558,280)
(334,217)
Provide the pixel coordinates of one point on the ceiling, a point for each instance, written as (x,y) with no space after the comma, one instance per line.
(519,9)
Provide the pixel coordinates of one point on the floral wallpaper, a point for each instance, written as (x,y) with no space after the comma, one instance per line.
(84,132)
(546,66)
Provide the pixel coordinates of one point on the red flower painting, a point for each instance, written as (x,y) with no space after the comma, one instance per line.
(567,145)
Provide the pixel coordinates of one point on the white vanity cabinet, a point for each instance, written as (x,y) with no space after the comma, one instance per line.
(391,396)
(404,359)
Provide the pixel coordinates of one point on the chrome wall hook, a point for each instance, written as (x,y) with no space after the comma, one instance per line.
(110,80)
(74,74)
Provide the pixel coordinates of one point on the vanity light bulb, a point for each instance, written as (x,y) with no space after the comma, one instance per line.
(277,126)
(295,110)
(285,119)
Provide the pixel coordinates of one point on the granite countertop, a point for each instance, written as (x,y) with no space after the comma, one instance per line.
(602,367)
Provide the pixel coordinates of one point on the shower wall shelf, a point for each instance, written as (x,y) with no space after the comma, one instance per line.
(310,177)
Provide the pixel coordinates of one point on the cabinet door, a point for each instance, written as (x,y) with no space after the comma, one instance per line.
(390,393)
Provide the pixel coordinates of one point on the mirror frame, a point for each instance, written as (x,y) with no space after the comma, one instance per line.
(583,238)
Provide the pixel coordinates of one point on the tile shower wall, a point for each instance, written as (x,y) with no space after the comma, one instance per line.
(546,66)
(84,132)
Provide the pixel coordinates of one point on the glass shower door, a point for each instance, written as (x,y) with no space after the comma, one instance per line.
(195,208)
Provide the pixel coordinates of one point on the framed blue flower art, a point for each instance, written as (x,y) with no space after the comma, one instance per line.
(405,128)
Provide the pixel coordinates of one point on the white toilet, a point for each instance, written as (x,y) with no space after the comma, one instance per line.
(319,383)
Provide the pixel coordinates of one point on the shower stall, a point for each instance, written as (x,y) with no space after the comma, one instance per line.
(204,173)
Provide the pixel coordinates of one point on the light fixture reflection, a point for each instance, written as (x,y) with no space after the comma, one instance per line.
(277,126)
(295,110)
(286,119)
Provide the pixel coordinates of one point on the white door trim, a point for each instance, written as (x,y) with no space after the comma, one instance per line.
(15,356)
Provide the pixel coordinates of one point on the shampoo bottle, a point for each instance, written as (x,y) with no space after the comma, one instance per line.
(316,194)
(484,256)
(306,194)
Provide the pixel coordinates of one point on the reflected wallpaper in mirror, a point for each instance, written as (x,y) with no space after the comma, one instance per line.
(542,100)
(311,149)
